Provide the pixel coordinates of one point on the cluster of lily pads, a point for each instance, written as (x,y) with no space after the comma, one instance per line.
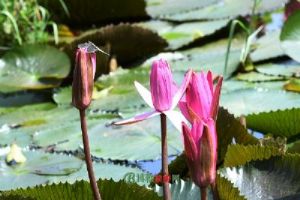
(257,122)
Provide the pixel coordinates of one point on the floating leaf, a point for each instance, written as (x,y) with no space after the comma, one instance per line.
(229,129)
(279,123)
(183,34)
(289,36)
(127,42)
(261,179)
(157,8)
(286,69)
(32,67)
(81,190)
(237,154)
(86,13)
(267,47)
(22,98)
(257,77)
(225,9)
(250,101)
(189,191)
(38,169)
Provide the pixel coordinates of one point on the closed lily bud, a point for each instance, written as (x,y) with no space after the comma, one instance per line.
(83,78)
(161,85)
(201,101)
(200,144)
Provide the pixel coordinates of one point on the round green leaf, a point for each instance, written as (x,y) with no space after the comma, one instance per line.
(32,67)
(38,168)
(186,33)
(249,101)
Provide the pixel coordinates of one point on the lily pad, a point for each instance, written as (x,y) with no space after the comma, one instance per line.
(157,8)
(257,77)
(81,190)
(260,179)
(183,34)
(267,47)
(86,12)
(238,155)
(32,67)
(278,123)
(286,69)
(225,9)
(189,191)
(140,141)
(290,36)
(250,101)
(126,42)
(38,168)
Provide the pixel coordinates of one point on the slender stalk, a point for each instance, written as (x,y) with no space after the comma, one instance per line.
(203,192)
(215,191)
(88,158)
(164,154)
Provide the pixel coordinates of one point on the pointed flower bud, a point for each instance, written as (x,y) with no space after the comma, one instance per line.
(200,144)
(83,78)
(161,85)
(202,98)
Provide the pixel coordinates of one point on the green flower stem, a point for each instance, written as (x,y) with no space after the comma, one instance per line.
(164,153)
(87,155)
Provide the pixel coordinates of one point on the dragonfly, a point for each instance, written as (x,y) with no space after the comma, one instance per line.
(91,47)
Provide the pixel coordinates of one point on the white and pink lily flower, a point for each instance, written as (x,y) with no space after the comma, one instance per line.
(163,96)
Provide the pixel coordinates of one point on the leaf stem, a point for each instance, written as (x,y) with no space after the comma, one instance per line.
(88,158)
(164,154)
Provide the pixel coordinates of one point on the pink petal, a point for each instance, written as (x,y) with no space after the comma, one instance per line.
(216,98)
(196,96)
(182,89)
(189,144)
(210,81)
(161,83)
(184,110)
(197,131)
(145,94)
(176,119)
(138,118)
(93,58)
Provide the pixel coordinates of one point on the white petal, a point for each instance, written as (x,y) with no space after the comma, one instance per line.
(145,93)
(137,118)
(176,118)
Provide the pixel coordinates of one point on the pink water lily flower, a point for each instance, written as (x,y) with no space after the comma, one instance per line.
(164,95)
(202,98)
(200,107)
